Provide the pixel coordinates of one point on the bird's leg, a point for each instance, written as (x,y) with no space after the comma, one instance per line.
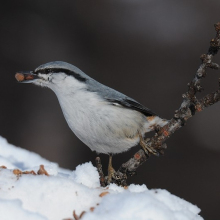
(147,149)
(111,170)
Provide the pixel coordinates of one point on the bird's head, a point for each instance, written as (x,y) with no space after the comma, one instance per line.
(54,75)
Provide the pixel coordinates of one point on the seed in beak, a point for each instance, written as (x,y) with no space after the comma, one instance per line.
(21,77)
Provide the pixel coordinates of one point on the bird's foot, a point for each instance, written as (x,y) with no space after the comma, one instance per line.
(111,171)
(147,149)
(111,175)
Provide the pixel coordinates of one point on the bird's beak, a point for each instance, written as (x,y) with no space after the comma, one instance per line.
(26,76)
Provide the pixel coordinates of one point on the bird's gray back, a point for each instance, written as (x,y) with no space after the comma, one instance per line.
(114,96)
(105,92)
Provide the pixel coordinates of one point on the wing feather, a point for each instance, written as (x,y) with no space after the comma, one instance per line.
(114,96)
(134,105)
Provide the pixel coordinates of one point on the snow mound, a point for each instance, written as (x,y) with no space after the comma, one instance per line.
(55,197)
(15,206)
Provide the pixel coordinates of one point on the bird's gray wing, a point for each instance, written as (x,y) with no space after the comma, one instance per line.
(132,104)
(116,97)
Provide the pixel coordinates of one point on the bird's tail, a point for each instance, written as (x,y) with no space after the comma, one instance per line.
(155,121)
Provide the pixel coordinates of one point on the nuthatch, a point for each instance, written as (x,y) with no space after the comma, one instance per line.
(104,119)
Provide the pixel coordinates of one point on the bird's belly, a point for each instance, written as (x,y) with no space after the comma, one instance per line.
(105,128)
(105,134)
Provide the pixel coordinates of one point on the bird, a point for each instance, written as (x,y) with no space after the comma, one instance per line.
(104,119)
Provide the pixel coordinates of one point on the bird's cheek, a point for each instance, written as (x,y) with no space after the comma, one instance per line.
(40,82)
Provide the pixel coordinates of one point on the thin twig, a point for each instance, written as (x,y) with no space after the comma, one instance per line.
(101,174)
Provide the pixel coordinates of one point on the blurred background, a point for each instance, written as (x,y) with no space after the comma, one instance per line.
(148,50)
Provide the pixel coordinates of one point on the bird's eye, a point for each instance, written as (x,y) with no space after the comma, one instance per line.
(49,71)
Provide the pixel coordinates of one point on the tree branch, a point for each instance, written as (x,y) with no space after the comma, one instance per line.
(188,108)
(101,174)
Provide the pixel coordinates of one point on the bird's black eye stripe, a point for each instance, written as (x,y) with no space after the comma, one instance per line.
(58,70)
(48,70)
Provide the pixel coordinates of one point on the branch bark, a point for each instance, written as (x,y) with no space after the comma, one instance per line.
(188,108)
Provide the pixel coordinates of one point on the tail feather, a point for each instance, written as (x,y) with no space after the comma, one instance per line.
(154,121)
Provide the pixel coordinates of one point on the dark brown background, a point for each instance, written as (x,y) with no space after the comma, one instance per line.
(148,50)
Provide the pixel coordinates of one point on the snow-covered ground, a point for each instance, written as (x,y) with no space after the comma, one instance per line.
(55,197)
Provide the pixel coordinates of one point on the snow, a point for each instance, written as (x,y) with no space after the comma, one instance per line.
(55,197)
(15,211)
(87,175)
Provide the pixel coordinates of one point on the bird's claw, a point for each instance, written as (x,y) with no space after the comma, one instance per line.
(147,149)
(150,150)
